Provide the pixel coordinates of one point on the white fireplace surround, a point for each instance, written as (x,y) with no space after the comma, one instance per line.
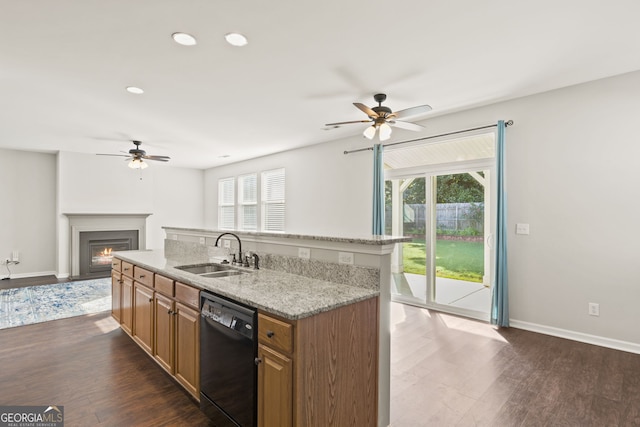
(80,222)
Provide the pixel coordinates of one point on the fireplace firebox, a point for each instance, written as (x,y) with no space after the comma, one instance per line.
(96,248)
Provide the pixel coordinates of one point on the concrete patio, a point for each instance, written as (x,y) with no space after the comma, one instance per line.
(454,293)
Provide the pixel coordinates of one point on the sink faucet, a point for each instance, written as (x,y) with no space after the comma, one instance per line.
(239,245)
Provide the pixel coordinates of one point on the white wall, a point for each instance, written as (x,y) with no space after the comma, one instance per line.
(27,211)
(100,184)
(327,193)
(573,159)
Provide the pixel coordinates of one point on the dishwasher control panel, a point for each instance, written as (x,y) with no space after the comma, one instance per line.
(228,317)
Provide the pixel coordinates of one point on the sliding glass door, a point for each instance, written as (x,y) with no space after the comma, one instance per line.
(447,211)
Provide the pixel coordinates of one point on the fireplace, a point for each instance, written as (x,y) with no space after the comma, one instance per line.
(96,248)
(114,232)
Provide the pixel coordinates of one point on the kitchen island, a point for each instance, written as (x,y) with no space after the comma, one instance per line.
(319,340)
(287,295)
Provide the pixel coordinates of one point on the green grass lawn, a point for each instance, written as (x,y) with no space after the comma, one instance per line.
(454,259)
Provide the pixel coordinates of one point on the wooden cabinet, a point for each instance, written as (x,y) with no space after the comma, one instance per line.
(163,317)
(126,305)
(116,295)
(275,388)
(164,331)
(321,370)
(143,316)
(187,344)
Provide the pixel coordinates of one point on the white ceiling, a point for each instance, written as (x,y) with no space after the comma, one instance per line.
(64,66)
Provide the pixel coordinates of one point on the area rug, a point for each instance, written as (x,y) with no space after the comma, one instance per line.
(35,304)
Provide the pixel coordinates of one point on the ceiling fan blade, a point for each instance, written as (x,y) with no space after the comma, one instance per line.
(368,111)
(405,125)
(413,111)
(158,158)
(348,123)
(116,155)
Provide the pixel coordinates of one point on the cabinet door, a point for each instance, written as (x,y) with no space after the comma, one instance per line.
(143,316)
(116,292)
(275,389)
(126,306)
(164,332)
(187,366)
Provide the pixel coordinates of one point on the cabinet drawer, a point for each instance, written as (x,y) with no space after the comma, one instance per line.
(164,285)
(127,268)
(143,276)
(275,333)
(116,265)
(188,295)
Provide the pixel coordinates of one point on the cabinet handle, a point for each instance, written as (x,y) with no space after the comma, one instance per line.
(120,281)
(257,361)
(169,312)
(142,276)
(150,299)
(270,334)
(126,269)
(175,313)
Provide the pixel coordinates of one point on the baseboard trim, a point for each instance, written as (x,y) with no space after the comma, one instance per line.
(577,336)
(36,274)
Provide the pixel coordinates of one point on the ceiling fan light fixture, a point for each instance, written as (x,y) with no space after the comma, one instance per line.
(369,132)
(384,132)
(236,39)
(184,39)
(137,164)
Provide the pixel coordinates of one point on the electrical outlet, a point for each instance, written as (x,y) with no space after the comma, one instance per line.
(594,309)
(226,243)
(345,257)
(203,240)
(15,256)
(174,237)
(304,253)
(522,228)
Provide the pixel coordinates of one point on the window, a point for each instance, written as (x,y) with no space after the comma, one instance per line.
(273,200)
(226,204)
(248,202)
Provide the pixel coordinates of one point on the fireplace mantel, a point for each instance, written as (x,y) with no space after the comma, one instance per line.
(90,221)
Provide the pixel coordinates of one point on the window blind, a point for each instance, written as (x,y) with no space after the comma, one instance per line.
(247,202)
(226,204)
(273,200)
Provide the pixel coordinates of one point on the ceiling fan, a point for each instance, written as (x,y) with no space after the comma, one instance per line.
(382,118)
(136,156)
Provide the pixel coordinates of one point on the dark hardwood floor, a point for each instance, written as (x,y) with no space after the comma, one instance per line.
(30,281)
(446,371)
(92,368)
(450,371)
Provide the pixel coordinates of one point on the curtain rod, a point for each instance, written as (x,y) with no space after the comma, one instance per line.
(506,123)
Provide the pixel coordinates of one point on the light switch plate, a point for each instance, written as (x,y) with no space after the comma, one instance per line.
(522,228)
(345,257)
(304,253)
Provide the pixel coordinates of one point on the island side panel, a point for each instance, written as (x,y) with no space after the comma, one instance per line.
(337,367)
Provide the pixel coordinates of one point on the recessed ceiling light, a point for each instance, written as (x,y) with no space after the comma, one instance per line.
(136,90)
(184,39)
(236,39)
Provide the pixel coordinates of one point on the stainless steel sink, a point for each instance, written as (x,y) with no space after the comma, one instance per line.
(224,273)
(210,270)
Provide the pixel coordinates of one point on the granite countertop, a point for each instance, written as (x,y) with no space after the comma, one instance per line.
(372,240)
(287,295)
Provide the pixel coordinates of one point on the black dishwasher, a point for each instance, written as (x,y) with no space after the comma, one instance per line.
(228,372)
